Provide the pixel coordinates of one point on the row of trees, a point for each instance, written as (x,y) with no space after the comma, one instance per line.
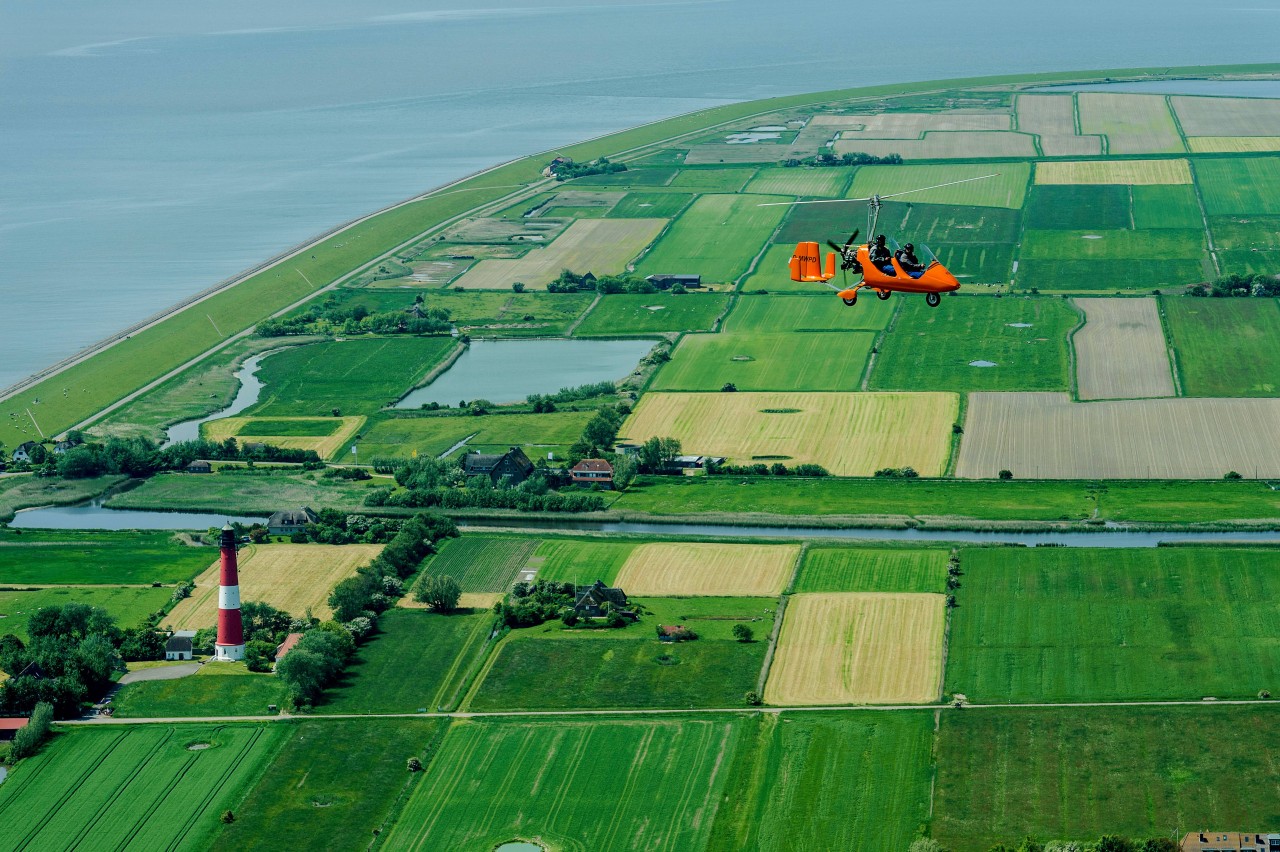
(330,317)
(1239,286)
(762,469)
(140,457)
(1106,843)
(571,282)
(856,158)
(566,169)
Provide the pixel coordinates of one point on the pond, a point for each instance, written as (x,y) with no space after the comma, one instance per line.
(504,371)
(519,846)
(250,388)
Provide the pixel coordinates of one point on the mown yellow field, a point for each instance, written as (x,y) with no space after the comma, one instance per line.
(468,600)
(850,434)
(1136,172)
(325,446)
(1047,436)
(1121,351)
(602,246)
(291,577)
(859,648)
(1233,144)
(672,569)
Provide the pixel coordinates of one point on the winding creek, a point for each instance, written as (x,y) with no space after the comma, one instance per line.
(250,390)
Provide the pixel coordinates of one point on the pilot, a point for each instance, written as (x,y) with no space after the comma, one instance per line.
(906,257)
(879,255)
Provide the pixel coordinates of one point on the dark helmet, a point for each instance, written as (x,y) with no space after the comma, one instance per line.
(880,239)
(910,247)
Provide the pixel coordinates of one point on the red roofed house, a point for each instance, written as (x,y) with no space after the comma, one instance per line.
(592,472)
(10,726)
(286,646)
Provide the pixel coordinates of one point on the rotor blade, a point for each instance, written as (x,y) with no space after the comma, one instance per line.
(939,186)
(824,201)
(852,237)
(833,244)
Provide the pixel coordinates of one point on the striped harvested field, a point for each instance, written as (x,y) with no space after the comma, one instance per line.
(823,183)
(1132,172)
(1228,116)
(850,434)
(291,577)
(1133,124)
(603,246)
(914,125)
(672,569)
(859,648)
(1047,436)
(326,446)
(1121,351)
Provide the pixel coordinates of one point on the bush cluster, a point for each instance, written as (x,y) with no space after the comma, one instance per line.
(762,469)
(140,457)
(1239,286)
(856,158)
(330,318)
(566,169)
(897,473)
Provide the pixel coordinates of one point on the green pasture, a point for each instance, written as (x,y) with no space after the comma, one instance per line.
(1166,206)
(1133,246)
(581,561)
(612,785)
(714,180)
(128,605)
(827,781)
(547,313)
(736,498)
(822,361)
(1143,274)
(583,672)
(483,563)
(306,798)
(978,263)
(245,492)
(216,690)
(1007,189)
(641,176)
(1239,186)
(930,348)
(647,313)
(1075,624)
(802,182)
(288,426)
(147,355)
(872,569)
(139,787)
(357,376)
(98,557)
(715,238)
(650,205)
(1078,773)
(1226,347)
(710,618)
(25,492)
(1249,262)
(401,437)
(1079,207)
(939,225)
(1246,233)
(821,222)
(417,660)
(753,314)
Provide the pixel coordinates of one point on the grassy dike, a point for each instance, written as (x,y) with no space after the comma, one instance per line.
(84,389)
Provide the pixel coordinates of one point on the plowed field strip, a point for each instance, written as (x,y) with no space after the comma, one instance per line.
(1121,351)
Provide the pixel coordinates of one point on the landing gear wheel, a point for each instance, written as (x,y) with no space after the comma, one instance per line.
(883,295)
(932,299)
(851,301)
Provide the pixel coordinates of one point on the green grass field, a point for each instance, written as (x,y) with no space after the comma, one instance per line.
(978,263)
(128,605)
(515,314)
(1007,189)
(416,660)
(1251,233)
(715,238)
(357,376)
(581,561)
(714,180)
(133,788)
(624,314)
(292,428)
(69,556)
(1244,186)
(483,563)
(650,205)
(938,225)
(647,176)
(306,799)
(530,673)
(803,183)
(1110,275)
(1073,624)
(1248,262)
(1226,347)
(238,493)
(1080,773)
(867,569)
(1171,206)
(931,348)
(24,492)
(762,362)
(612,785)
(402,437)
(216,690)
(772,275)
(773,314)
(1077,207)
(1134,247)
(828,781)
(712,618)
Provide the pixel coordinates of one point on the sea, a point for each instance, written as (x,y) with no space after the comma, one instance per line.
(150,148)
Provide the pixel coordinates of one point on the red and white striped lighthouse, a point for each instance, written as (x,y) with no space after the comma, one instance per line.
(230,644)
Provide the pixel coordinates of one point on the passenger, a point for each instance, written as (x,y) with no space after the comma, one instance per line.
(879,256)
(906,257)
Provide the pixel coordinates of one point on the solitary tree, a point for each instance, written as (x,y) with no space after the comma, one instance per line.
(1006,474)
(440,592)
(742,633)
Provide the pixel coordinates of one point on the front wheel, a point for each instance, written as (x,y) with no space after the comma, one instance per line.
(883,295)
(933,299)
(851,301)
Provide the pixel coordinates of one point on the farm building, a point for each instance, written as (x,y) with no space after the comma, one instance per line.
(590,601)
(1229,841)
(287,645)
(33,671)
(592,472)
(178,646)
(10,726)
(291,521)
(199,466)
(23,451)
(62,446)
(695,462)
(513,463)
(666,282)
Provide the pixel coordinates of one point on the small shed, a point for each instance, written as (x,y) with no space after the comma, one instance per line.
(9,726)
(675,633)
(199,466)
(178,648)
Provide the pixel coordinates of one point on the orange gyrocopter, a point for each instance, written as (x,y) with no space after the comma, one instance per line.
(885,276)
